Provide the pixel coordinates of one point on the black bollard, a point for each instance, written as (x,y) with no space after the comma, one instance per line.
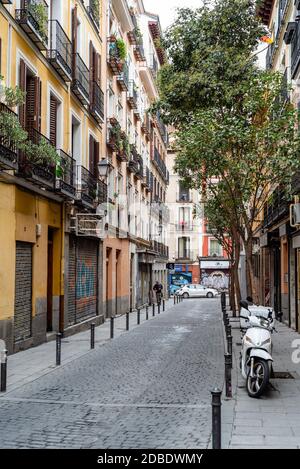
(158,308)
(93,325)
(153,309)
(138,316)
(58,349)
(3,359)
(127,321)
(174,299)
(228,330)
(228,364)
(223,300)
(147,313)
(216,418)
(112,327)
(229,342)
(164,305)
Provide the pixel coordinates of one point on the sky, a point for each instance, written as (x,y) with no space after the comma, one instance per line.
(166,9)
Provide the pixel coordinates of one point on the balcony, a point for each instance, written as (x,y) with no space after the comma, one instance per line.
(160,249)
(140,171)
(135,34)
(102,192)
(8,150)
(113,57)
(160,166)
(36,168)
(33,19)
(65,183)
(60,52)
(162,129)
(80,81)
(86,188)
(113,134)
(184,197)
(133,164)
(132,95)
(146,125)
(94,13)
(138,51)
(270,55)
(184,226)
(153,65)
(123,148)
(276,209)
(295,50)
(97,102)
(185,255)
(123,78)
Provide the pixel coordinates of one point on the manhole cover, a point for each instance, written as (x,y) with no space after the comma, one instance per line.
(282,375)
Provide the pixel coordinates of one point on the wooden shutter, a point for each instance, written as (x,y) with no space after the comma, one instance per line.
(91,155)
(53,120)
(98,70)
(39,104)
(91,73)
(30,103)
(22,84)
(96,157)
(74,38)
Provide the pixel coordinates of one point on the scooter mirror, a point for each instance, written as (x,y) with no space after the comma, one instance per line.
(244,304)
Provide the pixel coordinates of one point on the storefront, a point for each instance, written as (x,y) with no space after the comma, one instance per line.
(214,273)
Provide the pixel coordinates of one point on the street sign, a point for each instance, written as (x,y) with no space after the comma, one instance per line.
(171,266)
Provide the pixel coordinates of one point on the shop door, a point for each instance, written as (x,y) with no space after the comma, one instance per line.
(86,279)
(23,292)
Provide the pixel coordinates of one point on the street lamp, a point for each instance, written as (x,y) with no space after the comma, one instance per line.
(104,167)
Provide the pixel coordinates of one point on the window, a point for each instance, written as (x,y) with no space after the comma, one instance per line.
(184,193)
(30,111)
(183,248)
(93,156)
(76,140)
(215,248)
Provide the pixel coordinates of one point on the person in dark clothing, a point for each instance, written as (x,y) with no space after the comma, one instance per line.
(158,288)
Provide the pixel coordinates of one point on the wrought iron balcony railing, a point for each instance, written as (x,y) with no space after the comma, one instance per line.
(94,12)
(276,208)
(97,102)
(160,249)
(139,50)
(113,56)
(86,187)
(60,52)
(184,226)
(65,182)
(102,192)
(134,34)
(146,125)
(295,50)
(123,78)
(153,65)
(160,165)
(36,167)
(132,95)
(133,164)
(8,149)
(80,82)
(113,134)
(33,19)
(162,128)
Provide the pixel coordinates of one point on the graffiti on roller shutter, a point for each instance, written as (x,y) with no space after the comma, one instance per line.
(85,282)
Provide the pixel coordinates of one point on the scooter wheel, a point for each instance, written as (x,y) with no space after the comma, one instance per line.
(257,384)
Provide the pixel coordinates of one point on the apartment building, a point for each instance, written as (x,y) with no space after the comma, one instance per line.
(277,248)
(196,254)
(75,213)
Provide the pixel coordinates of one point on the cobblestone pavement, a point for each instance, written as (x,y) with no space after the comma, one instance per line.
(272,421)
(149,388)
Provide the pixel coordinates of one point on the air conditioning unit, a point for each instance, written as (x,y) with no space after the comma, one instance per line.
(295,215)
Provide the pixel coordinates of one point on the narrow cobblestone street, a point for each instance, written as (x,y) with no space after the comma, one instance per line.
(149,388)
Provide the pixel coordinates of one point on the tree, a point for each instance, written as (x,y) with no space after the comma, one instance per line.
(234,130)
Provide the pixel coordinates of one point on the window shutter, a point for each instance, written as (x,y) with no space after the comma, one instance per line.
(74,37)
(99,69)
(30,104)
(91,73)
(53,121)
(22,84)
(91,155)
(96,157)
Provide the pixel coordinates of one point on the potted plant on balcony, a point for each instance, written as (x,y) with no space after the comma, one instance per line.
(40,14)
(121,46)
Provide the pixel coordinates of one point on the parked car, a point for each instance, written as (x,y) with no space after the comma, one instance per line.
(197,291)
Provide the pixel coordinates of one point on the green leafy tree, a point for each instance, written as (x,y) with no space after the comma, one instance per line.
(235,134)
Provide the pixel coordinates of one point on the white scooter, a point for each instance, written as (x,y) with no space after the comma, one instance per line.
(256,359)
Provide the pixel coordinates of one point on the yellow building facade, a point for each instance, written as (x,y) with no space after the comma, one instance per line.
(81,237)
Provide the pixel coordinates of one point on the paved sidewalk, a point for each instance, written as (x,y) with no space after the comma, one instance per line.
(26,366)
(272,421)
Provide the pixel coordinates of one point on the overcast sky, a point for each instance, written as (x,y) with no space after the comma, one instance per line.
(166,9)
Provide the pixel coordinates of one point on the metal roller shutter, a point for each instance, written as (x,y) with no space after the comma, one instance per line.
(23,293)
(83,279)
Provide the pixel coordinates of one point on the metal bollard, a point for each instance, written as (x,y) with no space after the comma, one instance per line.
(138,316)
(174,299)
(3,360)
(164,305)
(127,321)
(228,364)
(93,325)
(229,343)
(112,327)
(147,313)
(216,418)
(158,308)
(153,309)
(223,300)
(228,330)
(58,348)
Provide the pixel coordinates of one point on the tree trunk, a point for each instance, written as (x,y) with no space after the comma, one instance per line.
(232,291)
(249,267)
